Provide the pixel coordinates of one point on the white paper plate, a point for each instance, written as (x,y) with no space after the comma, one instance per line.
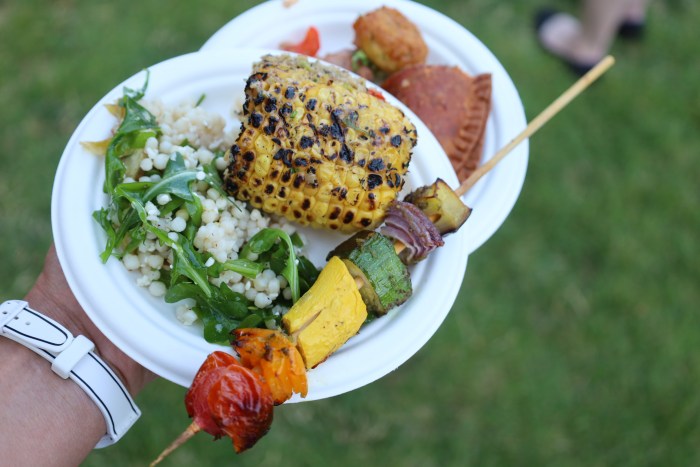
(492,199)
(146,329)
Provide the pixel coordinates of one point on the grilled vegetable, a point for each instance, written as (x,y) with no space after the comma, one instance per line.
(372,260)
(316,147)
(228,399)
(271,354)
(441,205)
(326,316)
(407,224)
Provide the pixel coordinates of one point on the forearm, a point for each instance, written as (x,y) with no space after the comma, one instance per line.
(47,420)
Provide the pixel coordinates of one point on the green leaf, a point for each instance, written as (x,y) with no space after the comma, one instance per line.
(265,240)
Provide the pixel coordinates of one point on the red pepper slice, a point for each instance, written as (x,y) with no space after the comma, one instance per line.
(375,93)
(308,46)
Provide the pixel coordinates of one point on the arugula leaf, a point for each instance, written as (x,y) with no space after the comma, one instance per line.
(263,241)
(135,128)
(187,261)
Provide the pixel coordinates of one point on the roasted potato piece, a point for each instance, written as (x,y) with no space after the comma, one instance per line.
(390,40)
(442,206)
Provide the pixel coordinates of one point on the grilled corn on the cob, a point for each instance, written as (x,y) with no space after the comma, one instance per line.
(316,147)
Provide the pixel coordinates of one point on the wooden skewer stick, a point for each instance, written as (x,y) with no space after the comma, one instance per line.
(553,108)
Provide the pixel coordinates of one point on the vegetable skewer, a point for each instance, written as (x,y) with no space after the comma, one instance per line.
(333,302)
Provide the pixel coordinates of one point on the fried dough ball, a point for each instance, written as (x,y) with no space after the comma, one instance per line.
(389,39)
(454,105)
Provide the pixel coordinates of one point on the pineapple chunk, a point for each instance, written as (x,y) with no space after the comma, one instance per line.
(327,315)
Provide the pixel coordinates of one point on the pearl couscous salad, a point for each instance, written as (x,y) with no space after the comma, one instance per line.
(169,221)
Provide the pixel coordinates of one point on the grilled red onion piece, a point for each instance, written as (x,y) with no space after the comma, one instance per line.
(406,223)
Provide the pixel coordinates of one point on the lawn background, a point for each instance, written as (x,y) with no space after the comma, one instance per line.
(574,340)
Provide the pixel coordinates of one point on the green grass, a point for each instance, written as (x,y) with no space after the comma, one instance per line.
(574,338)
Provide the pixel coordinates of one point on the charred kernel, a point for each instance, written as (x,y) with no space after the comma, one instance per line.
(335,213)
(297,214)
(274,173)
(371,196)
(396,141)
(249,156)
(289,93)
(286,109)
(255,119)
(278,89)
(231,186)
(235,150)
(373,181)
(282,193)
(286,176)
(270,105)
(298,180)
(375,165)
(259,99)
(301,162)
(313,160)
(256,182)
(269,189)
(277,141)
(311,105)
(306,142)
(365,222)
(258,200)
(346,154)
(348,217)
(271,124)
(361,162)
(241,174)
(384,130)
(306,204)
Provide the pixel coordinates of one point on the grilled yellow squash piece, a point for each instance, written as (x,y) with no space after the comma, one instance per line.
(327,315)
(316,147)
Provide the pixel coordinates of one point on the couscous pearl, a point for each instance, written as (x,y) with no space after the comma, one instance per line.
(178,224)
(250,294)
(155,261)
(210,262)
(185,315)
(173,236)
(160,162)
(238,288)
(269,274)
(262,300)
(146,164)
(213,194)
(209,216)
(287,293)
(182,214)
(131,262)
(261,282)
(163,198)
(273,286)
(157,289)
